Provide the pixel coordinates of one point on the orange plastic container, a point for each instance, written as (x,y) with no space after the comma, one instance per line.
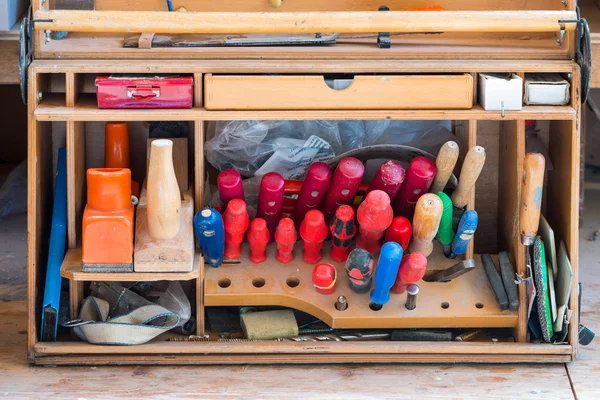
(107,233)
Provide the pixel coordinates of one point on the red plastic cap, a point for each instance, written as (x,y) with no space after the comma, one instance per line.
(351,168)
(313,228)
(324,278)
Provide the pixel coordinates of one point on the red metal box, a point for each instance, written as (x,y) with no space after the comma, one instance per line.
(144,91)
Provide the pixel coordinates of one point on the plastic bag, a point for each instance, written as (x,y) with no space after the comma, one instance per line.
(289,147)
(247,145)
(13,193)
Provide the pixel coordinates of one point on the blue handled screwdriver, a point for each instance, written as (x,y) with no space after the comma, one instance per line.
(210,234)
(385,276)
(464,233)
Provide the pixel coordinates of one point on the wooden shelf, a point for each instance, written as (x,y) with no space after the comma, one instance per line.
(471,301)
(71,269)
(53,109)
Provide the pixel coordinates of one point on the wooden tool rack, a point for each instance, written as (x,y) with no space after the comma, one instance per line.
(466,302)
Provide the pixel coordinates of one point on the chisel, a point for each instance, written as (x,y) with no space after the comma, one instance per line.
(471,168)
(495,281)
(426,222)
(344,185)
(464,233)
(445,163)
(532,189)
(419,177)
(385,276)
(445,234)
(453,272)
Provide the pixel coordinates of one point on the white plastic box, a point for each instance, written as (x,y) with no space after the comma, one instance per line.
(10,12)
(497,93)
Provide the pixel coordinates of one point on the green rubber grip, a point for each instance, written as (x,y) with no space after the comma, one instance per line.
(445,234)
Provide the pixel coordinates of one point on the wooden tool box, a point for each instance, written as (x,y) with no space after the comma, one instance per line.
(438,71)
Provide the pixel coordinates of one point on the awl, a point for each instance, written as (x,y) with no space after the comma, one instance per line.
(471,168)
(464,233)
(445,163)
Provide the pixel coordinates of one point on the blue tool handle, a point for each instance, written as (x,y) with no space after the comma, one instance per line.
(170,5)
(464,233)
(387,270)
(210,234)
(58,243)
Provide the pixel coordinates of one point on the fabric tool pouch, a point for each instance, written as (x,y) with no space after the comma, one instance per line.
(137,327)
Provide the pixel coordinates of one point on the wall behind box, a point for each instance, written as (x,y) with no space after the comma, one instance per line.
(10,12)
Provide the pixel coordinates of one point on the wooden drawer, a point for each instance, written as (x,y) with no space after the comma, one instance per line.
(313,92)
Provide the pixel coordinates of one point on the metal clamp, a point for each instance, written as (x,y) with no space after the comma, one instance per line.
(26,50)
(383,38)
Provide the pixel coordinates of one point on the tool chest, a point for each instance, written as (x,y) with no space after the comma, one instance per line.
(426,75)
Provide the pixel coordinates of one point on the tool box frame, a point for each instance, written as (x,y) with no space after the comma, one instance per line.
(501,47)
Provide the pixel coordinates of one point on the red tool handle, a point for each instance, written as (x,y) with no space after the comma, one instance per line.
(389,179)
(235,222)
(419,177)
(313,190)
(229,184)
(400,232)
(374,215)
(258,238)
(294,186)
(345,183)
(270,200)
(412,269)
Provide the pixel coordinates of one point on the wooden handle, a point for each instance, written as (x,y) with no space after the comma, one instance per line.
(303,22)
(531,196)
(445,163)
(471,168)
(428,214)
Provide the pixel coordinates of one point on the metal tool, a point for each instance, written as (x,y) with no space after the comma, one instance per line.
(464,233)
(469,173)
(508,278)
(426,222)
(235,221)
(453,272)
(270,200)
(312,190)
(387,270)
(374,216)
(359,268)
(445,163)
(341,304)
(313,232)
(495,281)
(343,229)
(445,233)
(210,234)
(532,190)
(411,296)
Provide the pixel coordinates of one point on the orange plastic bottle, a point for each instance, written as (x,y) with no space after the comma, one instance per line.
(107,232)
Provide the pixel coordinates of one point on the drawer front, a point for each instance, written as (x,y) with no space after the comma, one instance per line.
(365,92)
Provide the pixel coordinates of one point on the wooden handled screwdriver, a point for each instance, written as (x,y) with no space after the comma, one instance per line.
(531,196)
(471,168)
(445,163)
(426,222)
(531,200)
